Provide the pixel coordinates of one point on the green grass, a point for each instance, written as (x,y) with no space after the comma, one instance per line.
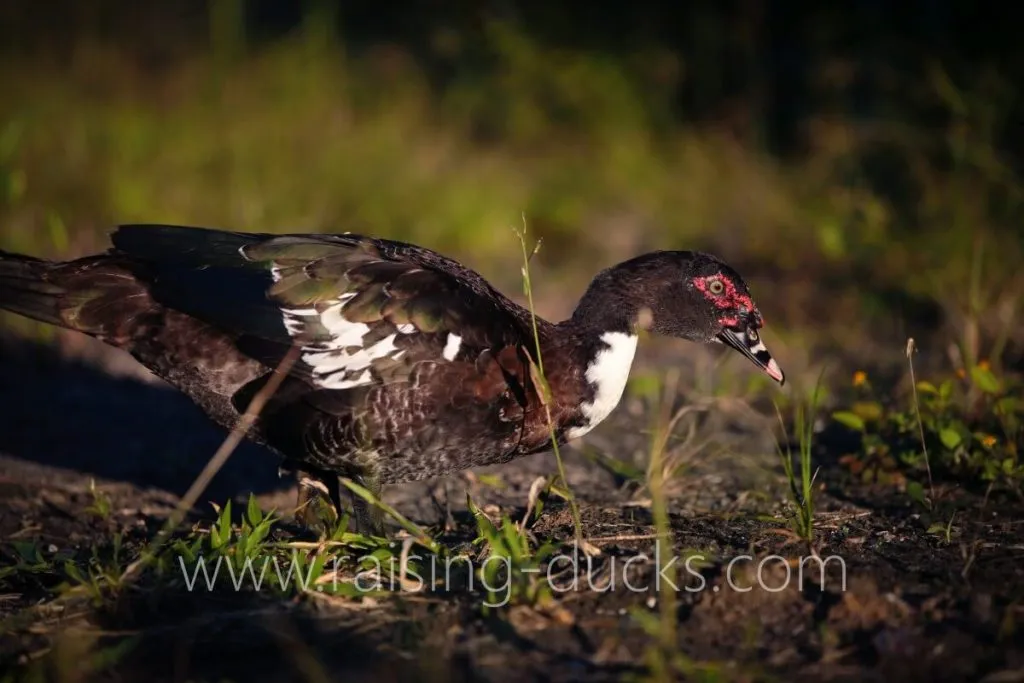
(306,135)
(511,567)
(660,655)
(100,506)
(801,482)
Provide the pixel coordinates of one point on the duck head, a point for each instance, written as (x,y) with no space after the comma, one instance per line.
(686,294)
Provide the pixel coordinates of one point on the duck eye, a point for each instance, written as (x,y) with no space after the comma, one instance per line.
(716,287)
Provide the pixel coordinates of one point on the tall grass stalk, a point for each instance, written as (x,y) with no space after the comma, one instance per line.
(801,487)
(662,656)
(541,380)
(917,413)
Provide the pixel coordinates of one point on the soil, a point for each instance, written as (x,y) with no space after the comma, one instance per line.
(927,595)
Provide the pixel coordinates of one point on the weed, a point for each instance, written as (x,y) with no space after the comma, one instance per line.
(28,559)
(660,657)
(945,530)
(511,571)
(101,577)
(344,563)
(971,424)
(540,380)
(100,505)
(801,487)
(216,461)
(917,412)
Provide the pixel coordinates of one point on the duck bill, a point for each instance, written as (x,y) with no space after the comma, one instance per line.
(748,343)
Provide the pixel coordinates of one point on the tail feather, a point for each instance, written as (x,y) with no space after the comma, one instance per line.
(25,290)
(98,295)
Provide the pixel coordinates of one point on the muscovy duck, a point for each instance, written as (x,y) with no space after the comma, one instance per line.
(410,365)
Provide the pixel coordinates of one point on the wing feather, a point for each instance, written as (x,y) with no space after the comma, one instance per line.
(364,311)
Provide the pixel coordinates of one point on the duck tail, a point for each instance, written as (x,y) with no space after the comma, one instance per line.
(98,295)
(26,290)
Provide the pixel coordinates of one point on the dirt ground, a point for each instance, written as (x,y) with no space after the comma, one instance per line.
(917,604)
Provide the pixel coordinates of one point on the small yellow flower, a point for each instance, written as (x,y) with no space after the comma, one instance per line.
(859,378)
(984,365)
(960,373)
(988,441)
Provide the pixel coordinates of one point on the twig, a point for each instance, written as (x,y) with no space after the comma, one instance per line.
(217,461)
(917,411)
(629,537)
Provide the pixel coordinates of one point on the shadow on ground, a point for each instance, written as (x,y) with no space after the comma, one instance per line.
(70,414)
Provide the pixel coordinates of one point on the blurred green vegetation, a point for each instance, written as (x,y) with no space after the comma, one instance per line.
(877,217)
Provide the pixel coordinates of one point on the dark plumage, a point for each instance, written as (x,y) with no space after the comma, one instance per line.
(411,365)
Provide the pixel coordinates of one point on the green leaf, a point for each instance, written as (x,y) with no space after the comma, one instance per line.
(253,512)
(868,410)
(492,480)
(71,570)
(950,438)
(648,621)
(916,493)
(28,552)
(927,388)
(1007,405)
(849,419)
(383,554)
(985,380)
(221,533)
(646,385)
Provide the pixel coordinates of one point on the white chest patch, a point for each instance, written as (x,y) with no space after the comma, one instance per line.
(607,373)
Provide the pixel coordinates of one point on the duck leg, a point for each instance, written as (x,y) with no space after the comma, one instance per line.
(318,489)
(314,495)
(368,517)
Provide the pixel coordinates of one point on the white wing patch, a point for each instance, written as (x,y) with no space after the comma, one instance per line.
(333,362)
(345,333)
(451,347)
(295,319)
(342,361)
(607,373)
(330,361)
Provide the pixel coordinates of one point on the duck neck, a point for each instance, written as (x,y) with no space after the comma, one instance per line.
(603,332)
(605,308)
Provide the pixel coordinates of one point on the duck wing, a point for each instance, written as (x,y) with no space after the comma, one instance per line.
(363,311)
